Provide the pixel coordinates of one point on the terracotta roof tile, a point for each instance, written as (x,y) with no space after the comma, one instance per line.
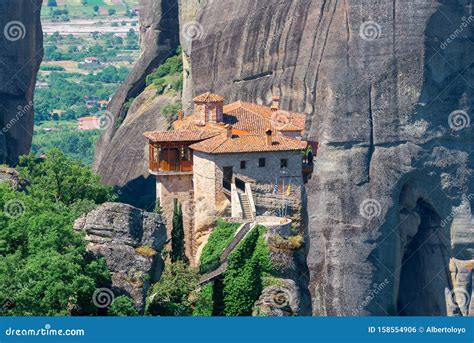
(248,143)
(182,135)
(257,118)
(208,97)
(87,118)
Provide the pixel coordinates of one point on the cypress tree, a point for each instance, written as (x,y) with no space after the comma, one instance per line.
(177,234)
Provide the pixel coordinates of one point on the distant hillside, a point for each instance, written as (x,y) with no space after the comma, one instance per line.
(89,8)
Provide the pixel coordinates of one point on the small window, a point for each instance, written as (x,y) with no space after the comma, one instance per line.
(261,162)
(283,163)
(243,164)
(186,155)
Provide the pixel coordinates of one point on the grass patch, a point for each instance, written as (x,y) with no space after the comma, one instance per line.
(146,251)
(220,237)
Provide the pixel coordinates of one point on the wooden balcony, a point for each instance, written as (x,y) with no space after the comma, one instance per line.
(165,160)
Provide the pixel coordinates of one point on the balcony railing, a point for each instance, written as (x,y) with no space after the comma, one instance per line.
(173,166)
(170,160)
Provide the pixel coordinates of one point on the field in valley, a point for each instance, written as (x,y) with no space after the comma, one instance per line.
(77,8)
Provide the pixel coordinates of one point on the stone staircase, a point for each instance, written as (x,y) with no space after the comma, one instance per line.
(241,233)
(246,209)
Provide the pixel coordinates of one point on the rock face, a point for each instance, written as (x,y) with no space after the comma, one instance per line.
(120,153)
(278,301)
(21,52)
(130,240)
(387,87)
(10,176)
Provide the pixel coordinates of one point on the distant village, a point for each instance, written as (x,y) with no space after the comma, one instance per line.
(92,102)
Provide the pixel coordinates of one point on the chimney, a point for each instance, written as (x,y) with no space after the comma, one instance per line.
(268,137)
(275,103)
(180,115)
(228,128)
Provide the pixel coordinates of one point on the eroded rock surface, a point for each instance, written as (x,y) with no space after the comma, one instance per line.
(21,52)
(388,93)
(280,300)
(387,88)
(120,156)
(130,240)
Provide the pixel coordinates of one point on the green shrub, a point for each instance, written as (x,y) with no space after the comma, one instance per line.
(52,68)
(170,111)
(123,307)
(220,237)
(169,73)
(243,280)
(204,302)
(171,295)
(280,244)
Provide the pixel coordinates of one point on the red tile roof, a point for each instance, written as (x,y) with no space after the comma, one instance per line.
(87,118)
(208,97)
(182,135)
(251,118)
(249,123)
(257,118)
(248,143)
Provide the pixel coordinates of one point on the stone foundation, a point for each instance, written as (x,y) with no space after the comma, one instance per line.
(180,187)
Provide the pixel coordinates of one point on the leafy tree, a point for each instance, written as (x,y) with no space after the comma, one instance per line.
(204,304)
(122,306)
(96,8)
(52,3)
(62,179)
(177,234)
(44,267)
(75,144)
(171,296)
(112,11)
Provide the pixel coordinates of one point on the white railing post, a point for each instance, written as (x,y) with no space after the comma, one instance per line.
(248,192)
(235,205)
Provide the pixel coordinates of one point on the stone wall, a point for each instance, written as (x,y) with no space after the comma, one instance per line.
(208,176)
(170,187)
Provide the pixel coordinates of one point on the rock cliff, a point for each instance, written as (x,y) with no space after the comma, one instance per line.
(21,52)
(130,240)
(121,153)
(387,87)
